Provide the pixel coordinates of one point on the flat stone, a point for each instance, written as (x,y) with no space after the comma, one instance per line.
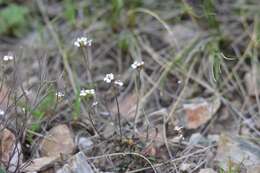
(207,170)
(39,164)
(237,150)
(77,164)
(59,140)
(10,151)
(199,111)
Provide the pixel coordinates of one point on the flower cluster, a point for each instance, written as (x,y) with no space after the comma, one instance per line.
(83,41)
(87,92)
(94,104)
(119,83)
(109,78)
(137,64)
(8,58)
(60,94)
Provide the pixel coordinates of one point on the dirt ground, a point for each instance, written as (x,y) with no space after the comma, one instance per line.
(130,86)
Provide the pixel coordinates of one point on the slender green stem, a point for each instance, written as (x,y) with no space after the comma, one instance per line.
(137,90)
(119,117)
(87,64)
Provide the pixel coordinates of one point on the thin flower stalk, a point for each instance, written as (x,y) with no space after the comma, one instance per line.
(138,66)
(110,79)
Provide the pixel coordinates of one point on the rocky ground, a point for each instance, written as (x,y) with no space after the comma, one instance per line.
(184,96)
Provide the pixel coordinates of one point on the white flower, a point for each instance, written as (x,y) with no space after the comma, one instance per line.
(119,83)
(2,112)
(83,41)
(60,94)
(8,58)
(178,128)
(109,77)
(87,92)
(137,64)
(94,104)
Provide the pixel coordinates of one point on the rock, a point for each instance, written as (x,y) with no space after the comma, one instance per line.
(59,140)
(237,150)
(197,138)
(10,151)
(84,143)
(199,111)
(77,164)
(109,130)
(213,138)
(39,164)
(207,170)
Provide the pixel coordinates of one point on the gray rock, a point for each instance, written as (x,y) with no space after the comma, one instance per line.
(207,170)
(84,143)
(237,150)
(77,164)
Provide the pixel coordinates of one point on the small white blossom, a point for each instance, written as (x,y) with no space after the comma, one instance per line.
(178,128)
(109,78)
(94,104)
(119,83)
(2,112)
(137,64)
(8,58)
(87,92)
(83,41)
(60,94)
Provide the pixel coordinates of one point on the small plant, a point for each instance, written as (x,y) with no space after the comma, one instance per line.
(45,107)
(232,168)
(210,14)
(13,19)
(70,11)
(110,79)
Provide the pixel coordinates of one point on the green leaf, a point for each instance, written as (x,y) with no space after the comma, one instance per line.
(70,11)
(126,40)
(76,106)
(35,127)
(13,19)
(216,67)
(2,170)
(209,12)
(216,59)
(45,105)
(117,6)
(14,14)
